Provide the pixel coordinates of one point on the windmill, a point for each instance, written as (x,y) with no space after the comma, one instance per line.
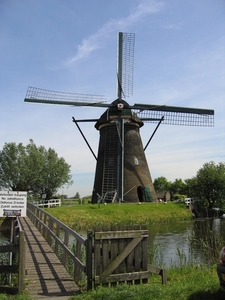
(122,171)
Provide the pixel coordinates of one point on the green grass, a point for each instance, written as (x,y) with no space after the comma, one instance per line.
(185,283)
(83,217)
(23,296)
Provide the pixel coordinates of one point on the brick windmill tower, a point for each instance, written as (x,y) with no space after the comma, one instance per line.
(122,173)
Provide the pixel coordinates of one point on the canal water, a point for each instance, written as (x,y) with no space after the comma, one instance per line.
(169,244)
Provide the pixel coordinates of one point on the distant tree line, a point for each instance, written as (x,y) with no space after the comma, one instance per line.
(208,186)
(65,197)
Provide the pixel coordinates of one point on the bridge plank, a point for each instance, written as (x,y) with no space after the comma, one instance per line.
(45,275)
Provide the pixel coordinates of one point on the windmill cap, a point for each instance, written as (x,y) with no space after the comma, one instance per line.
(118,107)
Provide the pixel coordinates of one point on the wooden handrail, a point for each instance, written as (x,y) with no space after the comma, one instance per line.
(57,234)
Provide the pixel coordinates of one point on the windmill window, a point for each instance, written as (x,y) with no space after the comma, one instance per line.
(136,161)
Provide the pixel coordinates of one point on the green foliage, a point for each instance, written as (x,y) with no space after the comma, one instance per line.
(211,184)
(33,169)
(177,187)
(12,163)
(179,196)
(188,282)
(191,187)
(162,184)
(210,242)
(23,296)
(208,185)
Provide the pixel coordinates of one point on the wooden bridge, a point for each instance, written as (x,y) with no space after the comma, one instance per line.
(57,258)
(45,277)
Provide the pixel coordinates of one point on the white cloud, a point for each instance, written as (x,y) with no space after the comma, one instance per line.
(98,39)
(173,27)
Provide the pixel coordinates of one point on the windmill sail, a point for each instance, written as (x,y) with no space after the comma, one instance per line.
(37,95)
(125,64)
(174,115)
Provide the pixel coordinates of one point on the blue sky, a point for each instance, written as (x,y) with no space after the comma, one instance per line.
(71,46)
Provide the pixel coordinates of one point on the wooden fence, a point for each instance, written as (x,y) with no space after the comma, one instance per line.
(17,264)
(120,255)
(107,255)
(47,203)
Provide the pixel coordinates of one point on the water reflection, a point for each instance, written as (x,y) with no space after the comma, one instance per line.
(172,245)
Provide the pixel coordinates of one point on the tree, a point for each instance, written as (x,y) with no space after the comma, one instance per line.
(161,184)
(211,184)
(177,187)
(191,187)
(33,169)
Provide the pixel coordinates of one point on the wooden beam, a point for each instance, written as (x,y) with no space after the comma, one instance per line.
(122,277)
(120,234)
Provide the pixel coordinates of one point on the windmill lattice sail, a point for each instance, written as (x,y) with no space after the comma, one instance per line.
(37,95)
(125,64)
(175,115)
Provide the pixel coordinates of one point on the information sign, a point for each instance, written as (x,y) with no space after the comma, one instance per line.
(13,204)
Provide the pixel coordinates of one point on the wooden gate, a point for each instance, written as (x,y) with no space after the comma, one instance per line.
(120,255)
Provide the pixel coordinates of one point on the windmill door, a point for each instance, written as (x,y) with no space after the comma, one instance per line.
(148,195)
(120,255)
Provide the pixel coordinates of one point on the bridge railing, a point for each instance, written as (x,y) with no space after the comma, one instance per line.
(76,258)
(17,247)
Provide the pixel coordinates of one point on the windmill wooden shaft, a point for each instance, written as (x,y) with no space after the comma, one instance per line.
(134,184)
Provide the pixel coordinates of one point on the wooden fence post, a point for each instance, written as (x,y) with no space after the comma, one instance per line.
(164,278)
(50,226)
(66,242)
(37,217)
(44,233)
(56,241)
(77,271)
(158,271)
(89,251)
(145,254)
(22,261)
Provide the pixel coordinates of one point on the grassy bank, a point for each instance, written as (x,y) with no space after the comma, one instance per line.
(82,217)
(185,283)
